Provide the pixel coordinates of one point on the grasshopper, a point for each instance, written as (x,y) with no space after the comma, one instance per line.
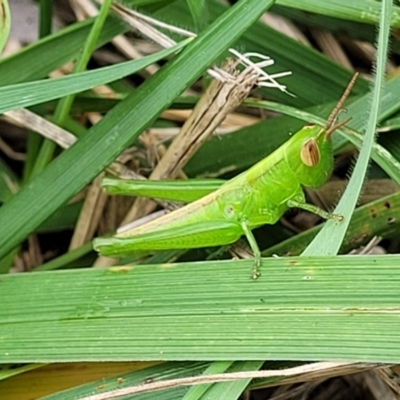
(258,196)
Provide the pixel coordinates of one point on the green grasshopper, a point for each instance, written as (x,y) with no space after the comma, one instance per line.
(258,196)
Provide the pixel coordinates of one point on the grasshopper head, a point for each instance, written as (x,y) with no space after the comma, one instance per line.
(310,155)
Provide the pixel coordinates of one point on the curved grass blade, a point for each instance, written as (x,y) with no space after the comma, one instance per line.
(332,234)
(14,96)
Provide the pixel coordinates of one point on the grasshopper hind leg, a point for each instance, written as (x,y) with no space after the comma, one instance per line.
(194,235)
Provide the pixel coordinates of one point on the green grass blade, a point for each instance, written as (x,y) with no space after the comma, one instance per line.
(9,182)
(196,392)
(66,258)
(64,106)
(198,9)
(46,151)
(27,64)
(45,23)
(332,234)
(49,89)
(12,370)
(367,11)
(233,390)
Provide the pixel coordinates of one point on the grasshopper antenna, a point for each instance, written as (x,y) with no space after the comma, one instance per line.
(330,127)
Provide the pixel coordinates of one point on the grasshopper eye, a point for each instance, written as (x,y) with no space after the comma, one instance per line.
(309,153)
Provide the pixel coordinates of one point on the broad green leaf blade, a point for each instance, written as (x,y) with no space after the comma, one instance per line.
(106,140)
(303,308)
(332,234)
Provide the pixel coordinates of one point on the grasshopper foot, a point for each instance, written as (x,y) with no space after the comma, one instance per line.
(337,217)
(256,269)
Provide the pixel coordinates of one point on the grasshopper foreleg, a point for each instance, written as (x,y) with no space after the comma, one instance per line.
(314,209)
(254,247)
